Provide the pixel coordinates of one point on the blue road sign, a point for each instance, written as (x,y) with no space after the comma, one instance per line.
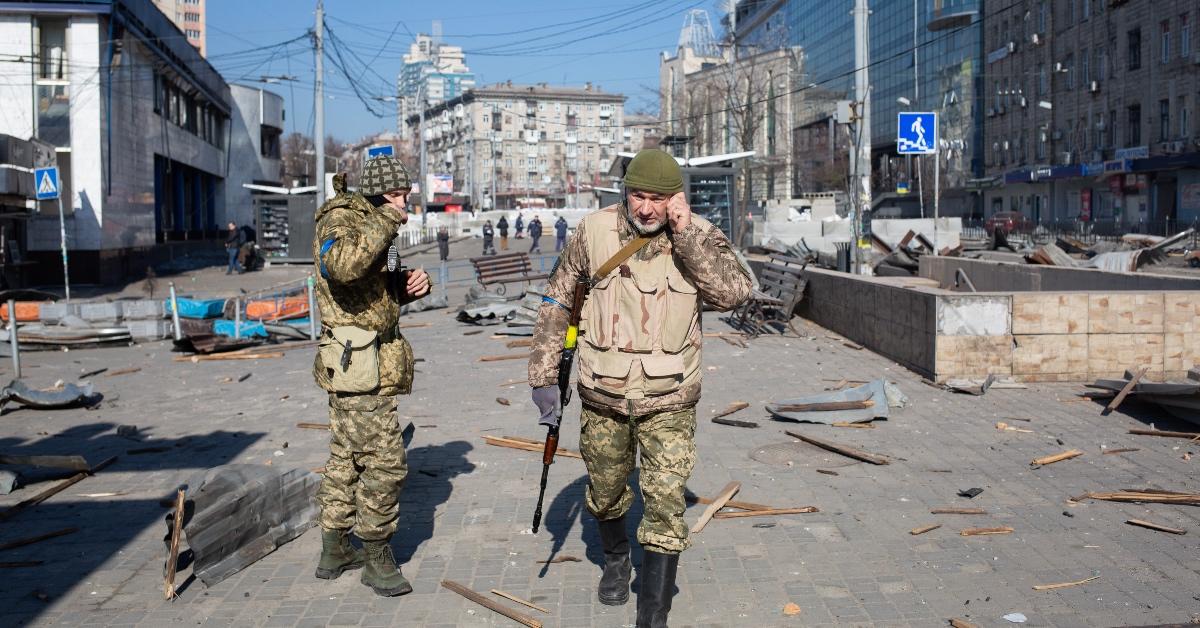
(377,151)
(46,182)
(916,133)
(902,187)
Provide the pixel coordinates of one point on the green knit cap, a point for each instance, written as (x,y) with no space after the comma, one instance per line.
(653,170)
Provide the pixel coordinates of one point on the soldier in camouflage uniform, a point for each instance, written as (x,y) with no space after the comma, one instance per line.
(639,366)
(366,467)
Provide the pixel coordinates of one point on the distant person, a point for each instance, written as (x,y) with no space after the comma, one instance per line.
(443,240)
(234,239)
(535,234)
(520,226)
(488,236)
(503,227)
(560,234)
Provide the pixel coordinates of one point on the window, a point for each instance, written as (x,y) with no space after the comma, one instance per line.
(1164,119)
(1133,54)
(1069,69)
(52,90)
(193,33)
(1041,18)
(1086,9)
(269,141)
(1110,138)
(1071,11)
(1104,71)
(1085,70)
(1183,118)
(1133,129)
(1098,136)
(1164,40)
(1185,36)
(191,17)
(1043,80)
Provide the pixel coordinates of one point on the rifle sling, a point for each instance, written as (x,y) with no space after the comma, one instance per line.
(627,251)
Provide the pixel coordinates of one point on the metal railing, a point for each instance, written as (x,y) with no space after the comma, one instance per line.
(1090,231)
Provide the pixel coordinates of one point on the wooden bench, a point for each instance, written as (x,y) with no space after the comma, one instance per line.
(781,288)
(504,269)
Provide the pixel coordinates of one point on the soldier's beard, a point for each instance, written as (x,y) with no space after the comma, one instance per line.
(644,228)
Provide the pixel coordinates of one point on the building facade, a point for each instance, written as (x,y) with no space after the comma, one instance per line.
(190,16)
(432,73)
(139,122)
(1090,112)
(508,146)
(256,136)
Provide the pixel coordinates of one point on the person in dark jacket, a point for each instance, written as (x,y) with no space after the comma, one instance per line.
(443,240)
(489,235)
(234,239)
(560,234)
(502,226)
(535,234)
(520,226)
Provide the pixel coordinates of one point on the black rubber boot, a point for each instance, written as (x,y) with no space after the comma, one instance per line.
(658,587)
(337,555)
(614,584)
(381,572)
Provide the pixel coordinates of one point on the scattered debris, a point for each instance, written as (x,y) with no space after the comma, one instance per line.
(762,513)
(1146,524)
(1045,460)
(519,600)
(517,344)
(473,332)
(726,494)
(1166,434)
(37,539)
(313,426)
(1122,450)
(957,511)
(791,609)
(68,396)
(844,450)
(1001,425)
(734,422)
(696,499)
(562,558)
(857,426)
(971,386)
(512,614)
(228,356)
(513,382)
(173,548)
(852,345)
(828,406)
(414,325)
(93,373)
(1145,495)
(9,481)
(970,493)
(1064,585)
(923,529)
(244,377)
(763,525)
(827,472)
(498,358)
(54,490)
(986,531)
(74,463)
(502,401)
(736,406)
(955,622)
(1133,381)
(526,444)
(850,405)
(1016,618)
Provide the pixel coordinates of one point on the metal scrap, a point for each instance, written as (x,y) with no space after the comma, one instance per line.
(882,394)
(69,395)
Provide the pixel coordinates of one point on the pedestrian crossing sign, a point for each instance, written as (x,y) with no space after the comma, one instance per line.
(46,180)
(916,133)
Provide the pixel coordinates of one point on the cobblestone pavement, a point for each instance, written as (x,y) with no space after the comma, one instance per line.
(466,510)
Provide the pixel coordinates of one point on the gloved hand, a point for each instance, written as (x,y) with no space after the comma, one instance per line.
(547,402)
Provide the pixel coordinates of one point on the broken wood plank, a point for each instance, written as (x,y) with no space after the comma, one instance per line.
(957,511)
(986,531)
(74,463)
(733,503)
(1166,434)
(502,401)
(857,426)
(228,356)
(313,426)
(827,472)
(498,358)
(93,373)
(1146,524)
(852,345)
(565,558)
(955,622)
(1066,455)
(733,422)
(414,325)
(512,614)
(37,539)
(726,494)
(173,550)
(923,529)
(1063,585)
(1148,496)
(766,512)
(1005,427)
(1112,405)
(1122,450)
(126,371)
(516,344)
(519,600)
(736,406)
(513,383)
(849,452)
(827,406)
(54,490)
(515,443)
(473,332)
(842,383)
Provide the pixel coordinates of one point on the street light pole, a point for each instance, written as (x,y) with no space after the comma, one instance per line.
(319,103)
(421,130)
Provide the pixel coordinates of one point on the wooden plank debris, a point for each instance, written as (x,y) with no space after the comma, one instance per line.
(923,529)
(513,442)
(502,401)
(827,472)
(1146,495)
(228,356)
(827,406)
(986,531)
(1064,585)
(1133,381)
(1146,524)
(1122,450)
(414,325)
(726,494)
(849,452)
(74,463)
(1066,455)
(127,371)
(1005,427)
(857,426)
(54,490)
(173,551)
(955,622)
(313,426)
(734,422)
(512,614)
(766,512)
(733,503)
(37,539)
(519,600)
(499,358)
(1166,434)
(957,511)
(736,406)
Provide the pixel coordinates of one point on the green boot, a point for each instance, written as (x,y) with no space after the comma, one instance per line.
(381,572)
(337,555)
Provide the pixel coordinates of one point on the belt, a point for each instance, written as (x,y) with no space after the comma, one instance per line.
(391,334)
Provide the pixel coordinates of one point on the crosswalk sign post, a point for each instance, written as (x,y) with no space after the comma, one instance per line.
(46,185)
(917,134)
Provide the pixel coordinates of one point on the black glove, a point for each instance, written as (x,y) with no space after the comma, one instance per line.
(547,402)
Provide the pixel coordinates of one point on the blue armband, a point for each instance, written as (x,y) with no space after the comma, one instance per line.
(546,299)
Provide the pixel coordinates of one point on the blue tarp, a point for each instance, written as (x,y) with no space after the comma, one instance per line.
(191,308)
(250,329)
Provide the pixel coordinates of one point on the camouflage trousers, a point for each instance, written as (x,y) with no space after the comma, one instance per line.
(666,440)
(366,467)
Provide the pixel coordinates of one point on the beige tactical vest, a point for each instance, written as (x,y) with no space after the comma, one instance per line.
(640,328)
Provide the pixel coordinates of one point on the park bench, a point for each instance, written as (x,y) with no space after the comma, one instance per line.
(781,287)
(504,269)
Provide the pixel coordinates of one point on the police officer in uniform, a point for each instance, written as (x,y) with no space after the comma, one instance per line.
(363,362)
(639,365)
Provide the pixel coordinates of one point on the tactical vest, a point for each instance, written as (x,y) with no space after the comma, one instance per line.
(641,324)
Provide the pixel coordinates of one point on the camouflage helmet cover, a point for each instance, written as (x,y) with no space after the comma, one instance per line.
(384,174)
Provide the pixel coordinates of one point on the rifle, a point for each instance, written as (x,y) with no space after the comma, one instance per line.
(565,361)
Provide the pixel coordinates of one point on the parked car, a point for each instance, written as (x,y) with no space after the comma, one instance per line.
(1009,222)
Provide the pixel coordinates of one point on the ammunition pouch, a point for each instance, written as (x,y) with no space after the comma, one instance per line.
(350,356)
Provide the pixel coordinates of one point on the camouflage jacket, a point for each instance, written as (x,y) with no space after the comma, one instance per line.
(704,255)
(350,253)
